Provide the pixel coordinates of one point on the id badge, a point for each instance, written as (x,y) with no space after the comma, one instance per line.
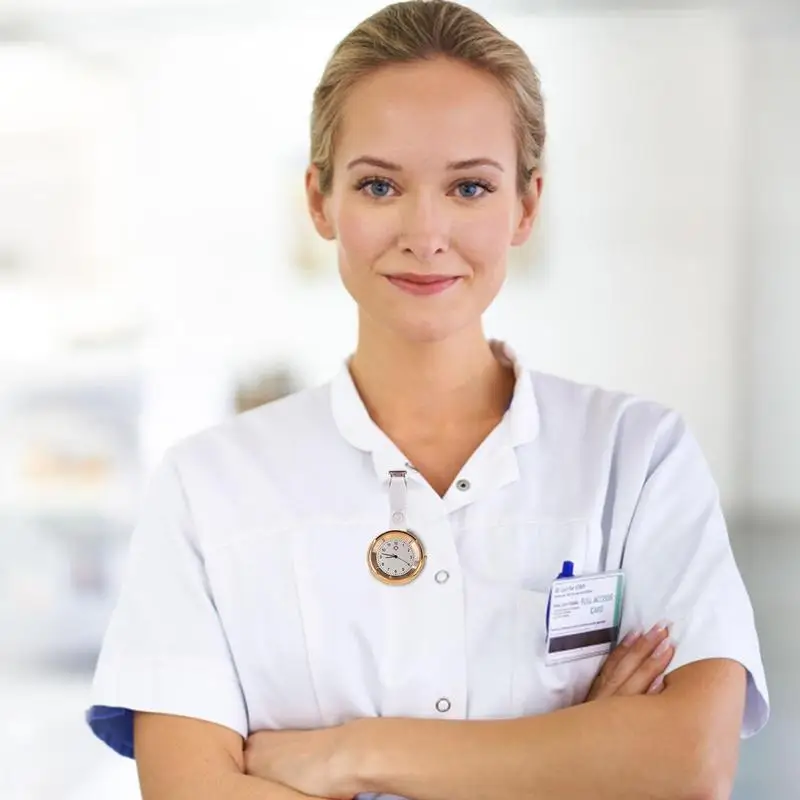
(584,614)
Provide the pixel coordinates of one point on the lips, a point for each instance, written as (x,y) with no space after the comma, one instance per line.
(423,284)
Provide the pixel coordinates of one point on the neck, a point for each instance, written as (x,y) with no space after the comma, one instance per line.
(430,386)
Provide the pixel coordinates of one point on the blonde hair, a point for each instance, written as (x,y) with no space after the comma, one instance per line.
(415,30)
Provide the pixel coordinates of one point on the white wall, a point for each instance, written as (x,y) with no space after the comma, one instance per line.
(774,263)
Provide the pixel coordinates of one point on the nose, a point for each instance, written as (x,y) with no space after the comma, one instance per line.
(425,228)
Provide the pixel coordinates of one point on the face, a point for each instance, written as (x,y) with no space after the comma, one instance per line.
(424,203)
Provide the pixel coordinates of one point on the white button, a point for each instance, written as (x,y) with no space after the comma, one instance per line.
(398,516)
(442,576)
(443,705)
(463,485)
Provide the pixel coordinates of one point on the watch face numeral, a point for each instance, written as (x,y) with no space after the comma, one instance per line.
(396,557)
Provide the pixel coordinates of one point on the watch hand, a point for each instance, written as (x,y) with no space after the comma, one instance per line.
(393,555)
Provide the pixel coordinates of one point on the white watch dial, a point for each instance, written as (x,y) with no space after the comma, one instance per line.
(396,557)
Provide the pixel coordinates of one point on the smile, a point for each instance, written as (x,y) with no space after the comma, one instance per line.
(423,284)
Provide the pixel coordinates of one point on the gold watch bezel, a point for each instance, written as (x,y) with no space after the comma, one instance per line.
(417,547)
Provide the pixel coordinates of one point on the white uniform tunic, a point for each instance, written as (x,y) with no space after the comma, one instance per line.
(248,601)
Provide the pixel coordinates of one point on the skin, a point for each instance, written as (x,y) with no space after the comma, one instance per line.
(422,215)
(425,372)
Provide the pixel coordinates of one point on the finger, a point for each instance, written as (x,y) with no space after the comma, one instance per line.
(657,686)
(610,665)
(619,652)
(634,657)
(650,670)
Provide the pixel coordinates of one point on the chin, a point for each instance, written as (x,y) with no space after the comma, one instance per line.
(427,331)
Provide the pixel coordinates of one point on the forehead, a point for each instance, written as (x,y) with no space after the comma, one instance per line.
(427,111)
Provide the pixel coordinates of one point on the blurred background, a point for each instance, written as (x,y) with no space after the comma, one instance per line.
(158,273)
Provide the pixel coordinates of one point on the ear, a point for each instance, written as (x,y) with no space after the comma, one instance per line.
(318,205)
(529,208)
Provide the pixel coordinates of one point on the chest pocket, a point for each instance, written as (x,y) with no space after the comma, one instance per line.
(542,548)
(508,570)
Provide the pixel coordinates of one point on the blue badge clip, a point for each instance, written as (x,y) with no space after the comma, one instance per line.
(567,571)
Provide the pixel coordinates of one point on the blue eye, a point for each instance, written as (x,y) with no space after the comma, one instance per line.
(470,189)
(376,187)
(379,188)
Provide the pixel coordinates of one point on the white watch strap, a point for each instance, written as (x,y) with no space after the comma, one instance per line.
(398,488)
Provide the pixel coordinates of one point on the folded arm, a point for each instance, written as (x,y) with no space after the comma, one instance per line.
(179,758)
(681,744)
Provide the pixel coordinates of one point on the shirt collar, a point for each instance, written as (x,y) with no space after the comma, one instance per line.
(522,416)
(521,422)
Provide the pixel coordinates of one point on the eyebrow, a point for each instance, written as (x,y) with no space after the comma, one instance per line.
(469,163)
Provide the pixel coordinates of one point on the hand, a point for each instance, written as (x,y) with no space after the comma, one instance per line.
(313,762)
(636,666)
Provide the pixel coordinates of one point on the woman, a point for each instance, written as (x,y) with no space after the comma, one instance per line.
(271,642)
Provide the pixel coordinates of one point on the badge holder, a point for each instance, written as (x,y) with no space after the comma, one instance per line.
(396,556)
(583,615)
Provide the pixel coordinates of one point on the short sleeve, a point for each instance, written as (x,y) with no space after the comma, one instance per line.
(679,566)
(164,649)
